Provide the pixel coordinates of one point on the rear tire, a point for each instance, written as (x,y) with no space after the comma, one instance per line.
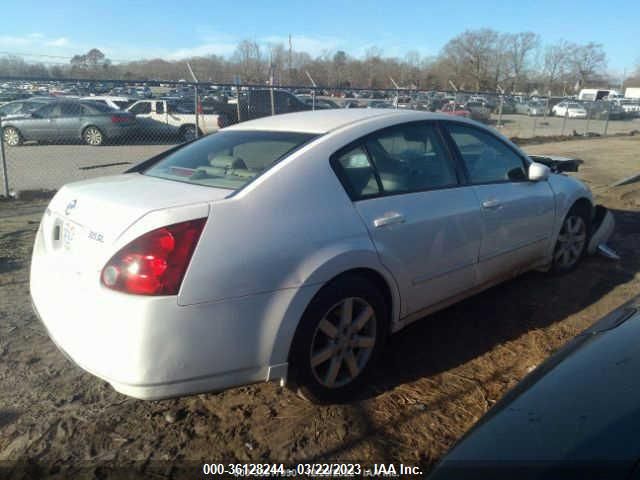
(12,136)
(93,136)
(339,340)
(572,240)
(188,133)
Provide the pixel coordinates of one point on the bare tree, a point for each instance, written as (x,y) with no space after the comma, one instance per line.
(587,61)
(470,55)
(249,60)
(518,47)
(556,63)
(339,62)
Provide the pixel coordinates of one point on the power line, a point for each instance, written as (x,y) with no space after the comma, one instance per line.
(42,55)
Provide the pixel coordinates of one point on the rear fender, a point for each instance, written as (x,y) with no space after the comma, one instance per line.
(322,273)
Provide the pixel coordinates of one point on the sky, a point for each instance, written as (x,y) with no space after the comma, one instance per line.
(174,29)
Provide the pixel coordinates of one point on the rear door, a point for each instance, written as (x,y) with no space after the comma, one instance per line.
(517,215)
(425,225)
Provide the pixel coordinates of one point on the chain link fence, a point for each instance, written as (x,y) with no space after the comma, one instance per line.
(55,132)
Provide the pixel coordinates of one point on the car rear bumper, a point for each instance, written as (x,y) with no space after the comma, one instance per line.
(118,131)
(152,348)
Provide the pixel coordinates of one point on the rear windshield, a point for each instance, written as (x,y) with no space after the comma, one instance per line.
(97,106)
(123,104)
(228,159)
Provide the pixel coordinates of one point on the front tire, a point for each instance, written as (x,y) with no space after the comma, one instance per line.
(93,136)
(572,241)
(339,340)
(12,137)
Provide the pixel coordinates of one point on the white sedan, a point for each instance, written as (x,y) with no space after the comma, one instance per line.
(290,247)
(570,110)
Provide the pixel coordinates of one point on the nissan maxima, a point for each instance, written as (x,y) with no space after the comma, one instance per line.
(289,248)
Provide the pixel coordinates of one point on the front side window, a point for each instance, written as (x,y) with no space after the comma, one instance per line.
(228,159)
(486,158)
(11,109)
(410,158)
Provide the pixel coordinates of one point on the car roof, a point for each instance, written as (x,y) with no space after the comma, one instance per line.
(323,121)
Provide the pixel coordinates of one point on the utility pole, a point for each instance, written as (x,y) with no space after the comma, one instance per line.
(290,60)
(310,78)
(195,97)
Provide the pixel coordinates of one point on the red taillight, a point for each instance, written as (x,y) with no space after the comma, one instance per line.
(200,108)
(119,119)
(154,264)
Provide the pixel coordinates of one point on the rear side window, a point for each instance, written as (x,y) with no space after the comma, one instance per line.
(228,159)
(358,173)
(486,158)
(70,109)
(410,158)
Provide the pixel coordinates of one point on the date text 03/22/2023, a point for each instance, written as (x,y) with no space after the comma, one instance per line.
(311,469)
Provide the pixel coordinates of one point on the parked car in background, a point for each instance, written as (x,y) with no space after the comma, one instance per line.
(576,416)
(508,107)
(601,110)
(117,103)
(379,104)
(22,107)
(521,108)
(630,106)
(537,108)
(262,103)
(318,103)
(411,211)
(352,104)
(570,109)
(478,111)
(67,120)
(160,119)
(456,109)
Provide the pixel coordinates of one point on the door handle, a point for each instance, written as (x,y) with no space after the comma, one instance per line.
(388,219)
(491,204)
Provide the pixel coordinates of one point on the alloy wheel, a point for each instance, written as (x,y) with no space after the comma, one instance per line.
(343,342)
(571,241)
(93,136)
(11,137)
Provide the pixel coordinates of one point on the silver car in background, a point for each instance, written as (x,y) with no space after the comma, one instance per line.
(68,120)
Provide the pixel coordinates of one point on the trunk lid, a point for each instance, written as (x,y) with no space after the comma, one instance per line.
(85,218)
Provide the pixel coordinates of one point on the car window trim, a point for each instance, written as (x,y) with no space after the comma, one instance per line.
(361,142)
(454,147)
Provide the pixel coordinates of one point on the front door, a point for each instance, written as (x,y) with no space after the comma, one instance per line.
(425,225)
(517,214)
(69,122)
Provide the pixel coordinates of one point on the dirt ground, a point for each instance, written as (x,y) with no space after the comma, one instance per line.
(437,378)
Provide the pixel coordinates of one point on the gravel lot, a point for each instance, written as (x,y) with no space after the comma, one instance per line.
(436,379)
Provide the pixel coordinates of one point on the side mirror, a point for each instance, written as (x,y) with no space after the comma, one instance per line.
(538,172)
